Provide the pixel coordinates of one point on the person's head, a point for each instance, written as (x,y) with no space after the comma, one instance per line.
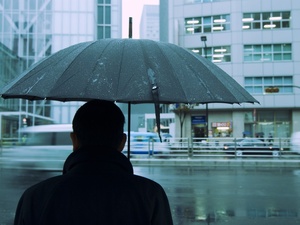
(98,123)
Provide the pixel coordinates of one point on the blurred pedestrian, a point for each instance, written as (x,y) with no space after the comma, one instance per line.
(98,185)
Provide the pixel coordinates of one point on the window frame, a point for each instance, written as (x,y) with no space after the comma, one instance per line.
(258,84)
(268,52)
(216,54)
(266,20)
(103,19)
(207,24)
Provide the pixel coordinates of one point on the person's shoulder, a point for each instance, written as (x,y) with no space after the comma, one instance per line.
(43,186)
(149,189)
(147,182)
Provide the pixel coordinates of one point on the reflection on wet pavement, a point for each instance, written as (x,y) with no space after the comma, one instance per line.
(197,195)
(229,195)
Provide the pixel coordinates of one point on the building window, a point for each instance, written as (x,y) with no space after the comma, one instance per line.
(104,19)
(207,24)
(216,54)
(257,85)
(266,20)
(267,52)
(275,123)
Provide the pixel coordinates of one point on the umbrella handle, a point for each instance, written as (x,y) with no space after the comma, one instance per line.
(155,97)
(128,130)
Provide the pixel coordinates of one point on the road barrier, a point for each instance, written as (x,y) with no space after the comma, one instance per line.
(172,152)
(218,147)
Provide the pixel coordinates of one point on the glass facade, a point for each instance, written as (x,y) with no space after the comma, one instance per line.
(33,29)
(73,21)
(26,29)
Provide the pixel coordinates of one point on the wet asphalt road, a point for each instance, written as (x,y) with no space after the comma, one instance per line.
(197,195)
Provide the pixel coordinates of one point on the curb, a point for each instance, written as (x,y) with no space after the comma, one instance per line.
(270,163)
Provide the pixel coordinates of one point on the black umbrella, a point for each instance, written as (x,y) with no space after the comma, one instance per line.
(128,71)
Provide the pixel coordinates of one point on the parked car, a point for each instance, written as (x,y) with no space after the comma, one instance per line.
(251,146)
(146,143)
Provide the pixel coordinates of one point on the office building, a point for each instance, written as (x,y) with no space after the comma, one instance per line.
(32,30)
(254,41)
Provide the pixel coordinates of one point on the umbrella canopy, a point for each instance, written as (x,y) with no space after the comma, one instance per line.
(127,70)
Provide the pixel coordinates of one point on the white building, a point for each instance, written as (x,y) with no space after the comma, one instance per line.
(257,43)
(149,25)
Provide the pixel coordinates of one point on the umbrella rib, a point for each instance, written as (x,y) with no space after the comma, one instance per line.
(110,42)
(36,68)
(131,77)
(234,85)
(73,61)
(120,69)
(203,83)
(170,64)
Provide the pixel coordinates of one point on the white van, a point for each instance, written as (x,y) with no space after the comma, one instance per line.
(146,143)
(43,147)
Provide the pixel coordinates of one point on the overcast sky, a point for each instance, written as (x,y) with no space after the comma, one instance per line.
(134,8)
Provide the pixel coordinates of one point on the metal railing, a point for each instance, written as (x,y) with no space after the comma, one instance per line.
(216,147)
(200,147)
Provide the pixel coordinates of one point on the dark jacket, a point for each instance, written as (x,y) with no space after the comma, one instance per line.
(95,188)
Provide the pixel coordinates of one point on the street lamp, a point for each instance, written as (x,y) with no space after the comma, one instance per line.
(204,39)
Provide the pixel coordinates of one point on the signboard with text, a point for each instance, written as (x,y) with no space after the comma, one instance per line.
(198,119)
(220,124)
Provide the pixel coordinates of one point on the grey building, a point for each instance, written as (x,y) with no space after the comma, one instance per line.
(254,41)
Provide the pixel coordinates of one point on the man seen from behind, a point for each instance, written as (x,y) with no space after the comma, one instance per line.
(98,185)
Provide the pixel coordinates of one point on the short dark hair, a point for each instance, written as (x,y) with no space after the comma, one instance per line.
(99,122)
